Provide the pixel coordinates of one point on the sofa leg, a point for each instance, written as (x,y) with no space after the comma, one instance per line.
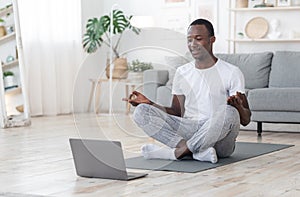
(259,128)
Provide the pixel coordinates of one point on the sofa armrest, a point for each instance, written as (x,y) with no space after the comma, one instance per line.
(152,80)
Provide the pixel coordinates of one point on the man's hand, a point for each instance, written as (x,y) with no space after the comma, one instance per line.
(239,101)
(137,98)
(236,100)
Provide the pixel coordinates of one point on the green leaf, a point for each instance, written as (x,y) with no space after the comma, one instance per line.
(8,73)
(97,28)
(93,37)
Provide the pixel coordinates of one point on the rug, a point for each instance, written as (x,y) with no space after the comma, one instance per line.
(10,194)
(243,150)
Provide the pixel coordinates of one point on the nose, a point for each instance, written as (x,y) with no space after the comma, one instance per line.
(192,43)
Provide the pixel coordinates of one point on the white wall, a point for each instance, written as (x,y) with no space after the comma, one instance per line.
(94,65)
(161,12)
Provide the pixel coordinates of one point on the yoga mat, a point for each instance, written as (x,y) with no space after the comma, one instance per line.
(9,194)
(243,150)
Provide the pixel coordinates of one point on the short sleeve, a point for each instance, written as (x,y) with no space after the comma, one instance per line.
(176,87)
(237,82)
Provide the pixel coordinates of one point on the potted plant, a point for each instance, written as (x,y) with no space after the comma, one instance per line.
(9,79)
(2,28)
(136,69)
(2,21)
(97,34)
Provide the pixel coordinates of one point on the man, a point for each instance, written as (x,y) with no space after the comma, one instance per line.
(207,108)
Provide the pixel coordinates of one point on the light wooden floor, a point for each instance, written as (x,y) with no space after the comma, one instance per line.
(37,160)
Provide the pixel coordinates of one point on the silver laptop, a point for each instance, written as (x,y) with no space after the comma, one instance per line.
(100,159)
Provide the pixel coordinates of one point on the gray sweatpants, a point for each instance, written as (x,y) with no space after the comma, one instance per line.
(220,131)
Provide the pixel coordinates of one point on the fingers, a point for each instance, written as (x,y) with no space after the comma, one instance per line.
(132,96)
(234,100)
(128,99)
(231,98)
(136,98)
(241,95)
(136,93)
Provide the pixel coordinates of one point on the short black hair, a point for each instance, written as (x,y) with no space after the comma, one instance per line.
(206,23)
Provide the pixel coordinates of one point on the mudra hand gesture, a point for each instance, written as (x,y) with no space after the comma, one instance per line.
(137,98)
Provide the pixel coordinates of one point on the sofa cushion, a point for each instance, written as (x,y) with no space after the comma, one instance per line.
(274,99)
(285,69)
(164,96)
(255,67)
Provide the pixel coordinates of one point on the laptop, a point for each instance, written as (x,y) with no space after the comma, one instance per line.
(100,159)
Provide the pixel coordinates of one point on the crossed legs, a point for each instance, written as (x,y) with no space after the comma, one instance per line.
(183,136)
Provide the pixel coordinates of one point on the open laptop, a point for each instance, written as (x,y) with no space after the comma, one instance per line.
(100,159)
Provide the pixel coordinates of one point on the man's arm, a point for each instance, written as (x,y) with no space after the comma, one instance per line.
(177,106)
(176,109)
(240,102)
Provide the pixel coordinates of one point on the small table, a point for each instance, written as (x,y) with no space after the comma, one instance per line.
(130,86)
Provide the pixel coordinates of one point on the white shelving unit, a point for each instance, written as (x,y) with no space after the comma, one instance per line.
(8,37)
(14,108)
(264,40)
(271,9)
(10,64)
(236,25)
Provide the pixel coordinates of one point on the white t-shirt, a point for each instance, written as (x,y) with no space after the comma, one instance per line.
(206,90)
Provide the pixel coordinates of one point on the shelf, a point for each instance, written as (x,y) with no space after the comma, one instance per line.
(238,16)
(17,120)
(13,91)
(265,9)
(264,40)
(7,37)
(5,11)
(11,64)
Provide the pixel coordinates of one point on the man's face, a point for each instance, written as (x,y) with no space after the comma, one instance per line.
(199,41)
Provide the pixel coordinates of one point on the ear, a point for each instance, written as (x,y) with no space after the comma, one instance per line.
(212,39)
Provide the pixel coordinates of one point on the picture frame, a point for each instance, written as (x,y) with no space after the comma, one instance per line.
(281,3)
(207,10)
(176,3)
(176,22)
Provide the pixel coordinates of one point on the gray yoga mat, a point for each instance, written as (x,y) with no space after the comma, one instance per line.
(243,150)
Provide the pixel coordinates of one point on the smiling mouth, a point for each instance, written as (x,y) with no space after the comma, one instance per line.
(195,52)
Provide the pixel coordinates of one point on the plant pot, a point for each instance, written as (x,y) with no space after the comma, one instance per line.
(136,77)
(120,70)
(9,82)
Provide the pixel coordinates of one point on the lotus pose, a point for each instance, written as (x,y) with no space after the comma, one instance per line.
(208,105)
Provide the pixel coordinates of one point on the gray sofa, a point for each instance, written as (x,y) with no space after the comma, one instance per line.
(271,81)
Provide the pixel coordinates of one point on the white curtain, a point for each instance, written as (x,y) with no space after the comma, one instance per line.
(51,35)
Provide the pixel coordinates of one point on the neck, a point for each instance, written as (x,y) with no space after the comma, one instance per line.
(206,62)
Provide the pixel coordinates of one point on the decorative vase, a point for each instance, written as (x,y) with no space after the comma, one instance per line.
(20,108)
(241,3)
(120,70)
(9,59)
(2,31)
(9,82)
